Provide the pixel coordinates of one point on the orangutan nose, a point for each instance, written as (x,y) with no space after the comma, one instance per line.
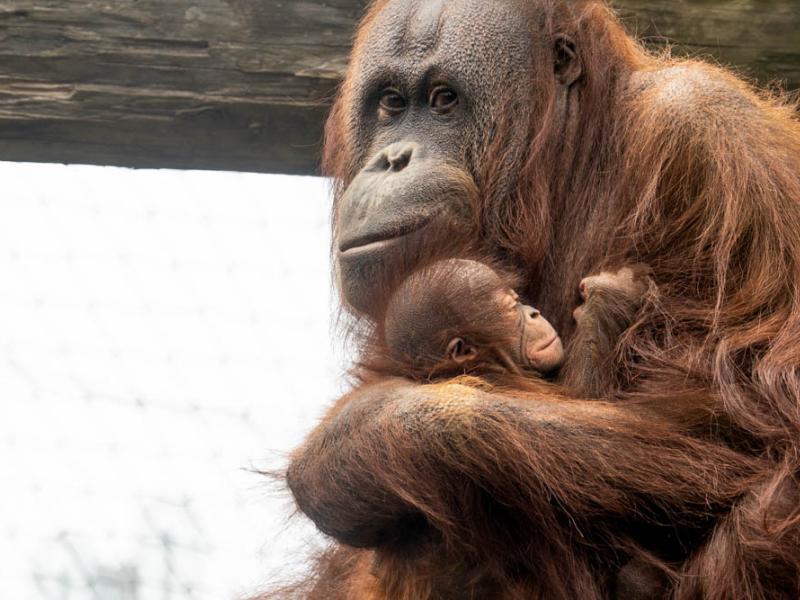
(395,158)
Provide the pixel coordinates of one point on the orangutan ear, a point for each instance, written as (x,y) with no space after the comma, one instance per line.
(567,62)
(460,351)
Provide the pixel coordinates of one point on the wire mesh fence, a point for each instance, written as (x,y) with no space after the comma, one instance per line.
(162,334)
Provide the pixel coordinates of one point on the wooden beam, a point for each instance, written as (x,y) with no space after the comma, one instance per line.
(209,84)
(245,84)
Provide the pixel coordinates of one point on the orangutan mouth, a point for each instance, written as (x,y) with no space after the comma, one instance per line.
(546,345)
(351,250)
(377,242)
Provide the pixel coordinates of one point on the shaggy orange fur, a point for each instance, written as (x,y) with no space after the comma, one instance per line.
(673,163)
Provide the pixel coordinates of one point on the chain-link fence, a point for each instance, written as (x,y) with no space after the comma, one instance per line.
(161,334)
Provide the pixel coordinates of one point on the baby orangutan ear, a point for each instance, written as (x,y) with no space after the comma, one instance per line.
(460,351)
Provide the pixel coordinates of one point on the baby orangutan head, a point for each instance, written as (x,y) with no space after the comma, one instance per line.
(463,316)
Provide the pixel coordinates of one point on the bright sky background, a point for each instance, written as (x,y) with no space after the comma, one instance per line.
(161,333)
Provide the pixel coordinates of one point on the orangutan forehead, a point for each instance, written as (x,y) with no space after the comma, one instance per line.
(461,36)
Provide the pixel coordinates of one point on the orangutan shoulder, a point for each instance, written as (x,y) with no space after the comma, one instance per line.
(697,95)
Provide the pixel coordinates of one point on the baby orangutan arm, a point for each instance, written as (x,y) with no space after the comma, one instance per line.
(610,303)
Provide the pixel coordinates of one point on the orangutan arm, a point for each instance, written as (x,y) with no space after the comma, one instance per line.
(481,468)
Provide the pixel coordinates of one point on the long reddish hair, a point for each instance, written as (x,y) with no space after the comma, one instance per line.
(680,165)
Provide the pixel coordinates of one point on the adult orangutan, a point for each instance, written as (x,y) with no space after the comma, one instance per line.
(541,131)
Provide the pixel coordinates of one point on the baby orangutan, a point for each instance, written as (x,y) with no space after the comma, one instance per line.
(462,316)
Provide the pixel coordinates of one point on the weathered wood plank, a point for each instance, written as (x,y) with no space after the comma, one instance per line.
(238,84)
(244,84)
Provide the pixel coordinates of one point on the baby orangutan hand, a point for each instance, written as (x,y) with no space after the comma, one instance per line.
(629,285)
(611,301)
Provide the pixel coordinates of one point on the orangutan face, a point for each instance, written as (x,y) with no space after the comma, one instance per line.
(425,89)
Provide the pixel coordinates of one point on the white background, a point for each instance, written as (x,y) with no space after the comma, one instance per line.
(162,334)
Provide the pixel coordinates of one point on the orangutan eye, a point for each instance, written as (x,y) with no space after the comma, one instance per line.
(443,99)
(392,103)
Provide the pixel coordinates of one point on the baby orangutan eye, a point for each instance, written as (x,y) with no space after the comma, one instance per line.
(509,300)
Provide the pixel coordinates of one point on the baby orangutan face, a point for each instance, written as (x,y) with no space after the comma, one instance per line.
(460,315)
(534,342)
(540,347)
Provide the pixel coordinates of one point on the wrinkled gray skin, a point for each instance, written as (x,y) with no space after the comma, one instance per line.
(477,48)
